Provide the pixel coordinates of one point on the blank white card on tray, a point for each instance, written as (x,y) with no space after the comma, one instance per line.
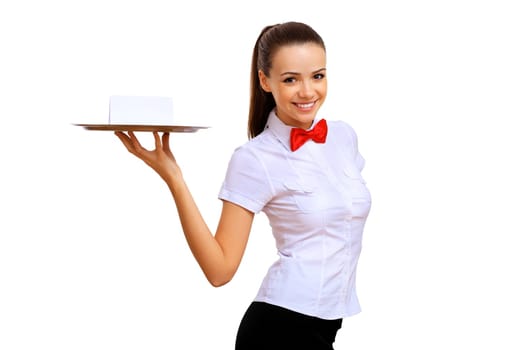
(147,110)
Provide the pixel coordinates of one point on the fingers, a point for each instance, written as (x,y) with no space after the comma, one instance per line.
(135,141)
(130,141)
(134,146)
(125,140)
(158,142)
(166,144)
(163,145)
(165,139)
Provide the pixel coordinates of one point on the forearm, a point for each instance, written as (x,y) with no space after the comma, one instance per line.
(207,249)
(202,243)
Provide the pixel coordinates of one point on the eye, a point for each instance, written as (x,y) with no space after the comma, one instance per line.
(289,80)
(319,76)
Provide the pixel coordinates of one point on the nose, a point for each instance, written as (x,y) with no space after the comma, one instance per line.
(306,90)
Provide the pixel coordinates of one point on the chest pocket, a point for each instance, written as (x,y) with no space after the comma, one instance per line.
(304,197)
(357,185)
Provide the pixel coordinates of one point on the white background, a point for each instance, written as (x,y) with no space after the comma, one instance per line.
(91,252)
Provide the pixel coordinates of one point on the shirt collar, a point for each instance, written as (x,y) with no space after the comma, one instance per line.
(281,130)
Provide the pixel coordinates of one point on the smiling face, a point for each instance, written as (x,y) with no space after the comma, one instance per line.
(297,81)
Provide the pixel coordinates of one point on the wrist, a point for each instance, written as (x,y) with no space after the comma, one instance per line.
(174,180)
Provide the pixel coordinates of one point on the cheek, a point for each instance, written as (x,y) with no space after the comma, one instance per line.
(322,88)
(286,93)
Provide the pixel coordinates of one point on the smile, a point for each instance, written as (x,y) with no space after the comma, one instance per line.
(305,105)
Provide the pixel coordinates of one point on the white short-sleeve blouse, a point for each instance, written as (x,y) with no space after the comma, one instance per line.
(317,203)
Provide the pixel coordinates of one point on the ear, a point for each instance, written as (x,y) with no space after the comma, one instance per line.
(263,81)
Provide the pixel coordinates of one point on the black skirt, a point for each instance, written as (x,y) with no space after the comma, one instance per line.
(269,327)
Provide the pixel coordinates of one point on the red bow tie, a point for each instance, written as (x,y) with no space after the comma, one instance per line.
(299,136)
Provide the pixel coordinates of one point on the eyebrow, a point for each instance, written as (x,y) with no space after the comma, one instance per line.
(294,73)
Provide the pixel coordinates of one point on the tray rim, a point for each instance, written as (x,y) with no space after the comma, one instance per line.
(141,127)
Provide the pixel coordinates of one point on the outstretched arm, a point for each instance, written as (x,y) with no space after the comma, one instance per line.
(218,255)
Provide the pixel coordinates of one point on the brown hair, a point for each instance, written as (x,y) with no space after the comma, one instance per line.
(269,41)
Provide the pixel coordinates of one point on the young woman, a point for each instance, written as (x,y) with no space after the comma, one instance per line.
(304,173)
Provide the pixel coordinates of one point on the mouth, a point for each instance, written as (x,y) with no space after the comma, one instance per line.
(305,106)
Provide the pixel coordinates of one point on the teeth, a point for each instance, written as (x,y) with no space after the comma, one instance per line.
(305,105)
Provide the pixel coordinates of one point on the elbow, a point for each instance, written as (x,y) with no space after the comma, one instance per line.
(219,280)
(218,283)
